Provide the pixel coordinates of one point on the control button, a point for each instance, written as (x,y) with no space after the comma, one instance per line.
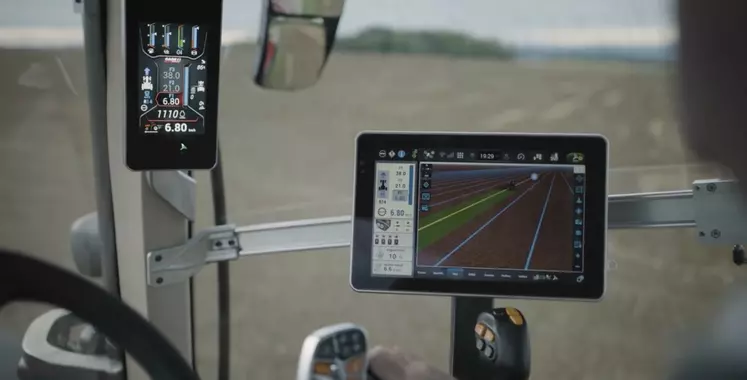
(326,349)
(323,368)
(346,351)
(357,348)
(454,272)
(489,336)
(480,329)
(354,365)
(357,337)
(580,279)
(517,320)
(515,316)
(480,344)
(489,351)
(342,338)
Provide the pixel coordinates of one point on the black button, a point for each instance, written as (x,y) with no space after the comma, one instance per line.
(326,349)
(357,337)
(343,338)
(357,348)
(480,344)
(346,352)
(489,351)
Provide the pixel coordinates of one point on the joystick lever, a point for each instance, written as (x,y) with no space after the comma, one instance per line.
(335,353)
(502,339)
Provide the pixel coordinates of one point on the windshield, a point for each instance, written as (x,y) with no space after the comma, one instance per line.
(474,65)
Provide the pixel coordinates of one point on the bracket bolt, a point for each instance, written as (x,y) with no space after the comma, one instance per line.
(701,233)
(159,280)
(715,234)
(711,187)
(697,188)
(158,258)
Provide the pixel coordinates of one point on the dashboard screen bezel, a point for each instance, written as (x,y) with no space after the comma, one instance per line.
(596,150)
(163,151)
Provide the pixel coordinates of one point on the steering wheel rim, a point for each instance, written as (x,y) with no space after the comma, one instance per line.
(23,278)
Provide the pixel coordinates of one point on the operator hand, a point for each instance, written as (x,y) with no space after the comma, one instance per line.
(395,364)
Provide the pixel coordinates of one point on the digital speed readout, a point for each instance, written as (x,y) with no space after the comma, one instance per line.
(173,69)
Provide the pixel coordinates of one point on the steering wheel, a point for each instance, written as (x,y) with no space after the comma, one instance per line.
(23,278)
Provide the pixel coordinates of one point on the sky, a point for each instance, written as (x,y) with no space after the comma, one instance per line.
(539,22)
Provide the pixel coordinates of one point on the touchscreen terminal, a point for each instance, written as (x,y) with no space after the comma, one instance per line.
(172,88)
(476,214)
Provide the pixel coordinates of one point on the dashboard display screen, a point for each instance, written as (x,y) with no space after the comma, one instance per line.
(173,68)
(506,214)
(478,220)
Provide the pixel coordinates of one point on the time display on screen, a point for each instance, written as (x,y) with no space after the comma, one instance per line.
(173,72)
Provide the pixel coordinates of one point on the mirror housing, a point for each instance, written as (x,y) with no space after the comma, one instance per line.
(296,38)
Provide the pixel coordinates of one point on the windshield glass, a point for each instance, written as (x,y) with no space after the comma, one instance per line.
(474,65)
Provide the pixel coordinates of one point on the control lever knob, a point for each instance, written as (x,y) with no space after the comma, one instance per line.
(337,352)
(502,338)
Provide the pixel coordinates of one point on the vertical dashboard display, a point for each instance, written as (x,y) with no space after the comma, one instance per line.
(173,68)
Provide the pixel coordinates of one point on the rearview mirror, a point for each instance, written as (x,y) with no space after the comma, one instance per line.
(295,40)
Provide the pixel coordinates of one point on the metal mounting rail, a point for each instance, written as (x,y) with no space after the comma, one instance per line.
(710,207)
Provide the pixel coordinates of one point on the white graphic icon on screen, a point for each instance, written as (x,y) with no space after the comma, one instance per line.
(147,85)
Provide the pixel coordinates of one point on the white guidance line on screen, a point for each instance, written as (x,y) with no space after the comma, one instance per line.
(469,207)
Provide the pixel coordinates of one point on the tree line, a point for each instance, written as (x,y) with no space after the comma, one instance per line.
(447,43)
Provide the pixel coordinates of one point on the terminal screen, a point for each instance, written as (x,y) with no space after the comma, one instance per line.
(173,79)
(481,215)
